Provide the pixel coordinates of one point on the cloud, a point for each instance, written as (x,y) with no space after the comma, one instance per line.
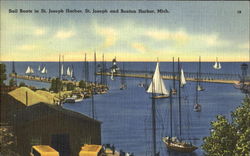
(109,34)
(139,47)
(244,45)
(64,34)
(177,36)
(39,31)
(27,47)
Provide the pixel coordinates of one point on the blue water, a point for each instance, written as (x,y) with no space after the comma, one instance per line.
(126,114)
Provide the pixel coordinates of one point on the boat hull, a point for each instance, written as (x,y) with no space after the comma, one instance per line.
(178,147)
(160,96)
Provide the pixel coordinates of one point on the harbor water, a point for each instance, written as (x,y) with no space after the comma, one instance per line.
(126,114)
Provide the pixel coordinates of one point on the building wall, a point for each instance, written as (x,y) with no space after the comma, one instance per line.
(41,131)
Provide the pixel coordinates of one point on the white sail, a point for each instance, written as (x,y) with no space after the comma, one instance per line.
(217,65)
(157,83)
(31,70)
(27,70)
(62,70)
(44,70)
(199,87)
(71,72)
(39,68)
(183,80)
(68,71)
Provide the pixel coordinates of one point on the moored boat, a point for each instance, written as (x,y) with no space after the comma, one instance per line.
(217,64)
(172,143)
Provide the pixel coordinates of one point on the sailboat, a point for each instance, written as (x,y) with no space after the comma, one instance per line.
(39,68)
(173,143)
(29,70)
(72,73)
(68,72)
(157,85)
(217,64)
(123,83)
(182,78)
(199,87)
(197,106)
(44,70)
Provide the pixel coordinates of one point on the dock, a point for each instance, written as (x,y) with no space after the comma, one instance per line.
(225,78)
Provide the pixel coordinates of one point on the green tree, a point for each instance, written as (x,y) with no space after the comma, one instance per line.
(12,82)
(2,73)
(56,85)
(241,120)
(7,141)
(230,138)
(22,84)
(82,84)
(70,86)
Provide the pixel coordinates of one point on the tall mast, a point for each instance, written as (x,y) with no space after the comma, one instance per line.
(173,76)
(171,118)
(153,121)
(93,88)
(179,71)
(102,70)
(13,68)
(59,77)
(199,70)
(95,68)
(86,68)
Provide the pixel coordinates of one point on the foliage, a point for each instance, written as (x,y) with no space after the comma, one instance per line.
(7,141)
(82,84)
(230,139)
(241,120)
(22,84)
(12,82)
(2,73)
(70,86)
(56,85)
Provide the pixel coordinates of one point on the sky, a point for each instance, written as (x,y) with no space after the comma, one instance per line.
(190,29)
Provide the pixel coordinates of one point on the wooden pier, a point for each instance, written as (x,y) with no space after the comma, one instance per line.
(170,77)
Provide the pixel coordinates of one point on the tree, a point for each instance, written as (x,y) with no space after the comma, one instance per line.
(241,120)
(12,82)
(70,86)
(56,85)
(82,84)
(22,84)
(230,139)
(2,74)
(7,141)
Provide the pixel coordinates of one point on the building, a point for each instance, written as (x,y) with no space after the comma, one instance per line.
(45,124)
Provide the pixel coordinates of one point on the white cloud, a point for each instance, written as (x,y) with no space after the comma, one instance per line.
(39,31)
(27,47)
(139,47)
(110,35)
(64,34)
(244,45)
(177,36)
